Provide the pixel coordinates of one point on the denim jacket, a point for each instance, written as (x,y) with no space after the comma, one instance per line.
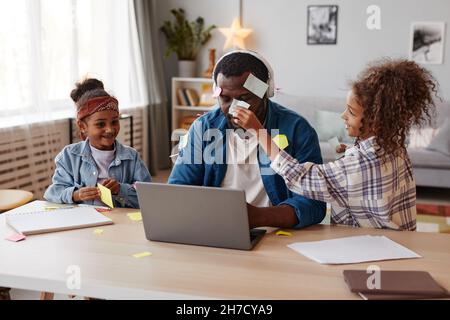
(75,168)
(202,161)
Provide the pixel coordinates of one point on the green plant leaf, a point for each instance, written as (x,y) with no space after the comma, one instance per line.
(183,37)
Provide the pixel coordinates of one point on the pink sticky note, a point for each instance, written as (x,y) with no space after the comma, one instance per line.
(15,237)
(217,92)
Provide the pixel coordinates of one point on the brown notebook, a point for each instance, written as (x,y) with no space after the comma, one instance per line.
(381,296)
(405,283)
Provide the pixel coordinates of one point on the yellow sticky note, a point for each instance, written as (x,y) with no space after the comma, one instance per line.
(51,208)
(135,216)
(281,141)
(142,254)
(105,195)
(183,142)
(98,231)
(283,233)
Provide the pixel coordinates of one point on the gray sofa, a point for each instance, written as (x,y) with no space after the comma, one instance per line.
(430,168)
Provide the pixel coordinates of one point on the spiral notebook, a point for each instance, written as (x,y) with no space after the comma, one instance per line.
(35,222)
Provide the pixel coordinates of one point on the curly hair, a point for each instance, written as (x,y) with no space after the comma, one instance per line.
(395,95)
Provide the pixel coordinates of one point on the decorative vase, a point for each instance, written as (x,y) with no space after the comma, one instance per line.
(186,68)
(212,63)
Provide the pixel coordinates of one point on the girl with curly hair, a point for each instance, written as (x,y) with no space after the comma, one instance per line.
(373,184)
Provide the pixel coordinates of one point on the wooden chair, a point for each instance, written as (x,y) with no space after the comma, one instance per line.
(10,199)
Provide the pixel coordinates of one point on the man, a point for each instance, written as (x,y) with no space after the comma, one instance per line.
(216,153)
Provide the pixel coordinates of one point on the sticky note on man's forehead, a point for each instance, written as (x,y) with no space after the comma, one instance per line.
(256,86)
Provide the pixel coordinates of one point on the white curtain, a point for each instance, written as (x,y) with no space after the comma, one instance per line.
(47,45)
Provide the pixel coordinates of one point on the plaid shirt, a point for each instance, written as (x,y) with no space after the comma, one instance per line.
(363,191)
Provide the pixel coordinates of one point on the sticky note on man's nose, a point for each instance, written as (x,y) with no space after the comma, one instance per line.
(105,195)
(281,141)
(255,85)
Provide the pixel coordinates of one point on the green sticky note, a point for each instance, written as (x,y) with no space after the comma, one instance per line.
(105,195)
(281,141)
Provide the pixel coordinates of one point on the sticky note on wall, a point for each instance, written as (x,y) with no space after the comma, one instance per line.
(256,86)
(105,195)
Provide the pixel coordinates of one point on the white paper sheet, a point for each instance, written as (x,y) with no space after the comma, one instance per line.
(353,250)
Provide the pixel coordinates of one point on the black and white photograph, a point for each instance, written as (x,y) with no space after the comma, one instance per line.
(322,24)
(427,42)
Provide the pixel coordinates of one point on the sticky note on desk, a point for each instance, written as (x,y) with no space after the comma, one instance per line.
(16,237)
(281,141)
(98,231)
(256,86)
(283,233)
(135,216)
(105,195)
(142,254)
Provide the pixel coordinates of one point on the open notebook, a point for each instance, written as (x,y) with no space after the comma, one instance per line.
(35,222)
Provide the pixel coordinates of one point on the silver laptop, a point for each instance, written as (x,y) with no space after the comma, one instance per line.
(205,216)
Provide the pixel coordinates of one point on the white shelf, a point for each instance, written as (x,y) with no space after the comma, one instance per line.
(180,111)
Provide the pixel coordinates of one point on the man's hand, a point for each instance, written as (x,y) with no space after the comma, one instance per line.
(112,185)
(86,194)
(282,216)
(246,119)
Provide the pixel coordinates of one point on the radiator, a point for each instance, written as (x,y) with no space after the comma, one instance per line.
(27,153)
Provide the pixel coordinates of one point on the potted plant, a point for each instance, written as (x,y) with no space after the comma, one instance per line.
(185,39)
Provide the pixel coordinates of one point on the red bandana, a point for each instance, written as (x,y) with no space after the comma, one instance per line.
(97,104)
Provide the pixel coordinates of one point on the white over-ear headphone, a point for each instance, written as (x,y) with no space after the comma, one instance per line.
(270,81)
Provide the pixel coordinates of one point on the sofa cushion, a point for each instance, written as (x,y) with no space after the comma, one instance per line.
(428,159)
(441,141)
(419,157)
(329,124)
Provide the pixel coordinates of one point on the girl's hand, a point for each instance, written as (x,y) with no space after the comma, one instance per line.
(246,119)
(341,148)
(112,185)
(86,194)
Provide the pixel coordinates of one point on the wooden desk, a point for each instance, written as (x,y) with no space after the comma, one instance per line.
(270,271)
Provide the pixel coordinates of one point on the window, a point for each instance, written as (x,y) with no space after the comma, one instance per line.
(48,45)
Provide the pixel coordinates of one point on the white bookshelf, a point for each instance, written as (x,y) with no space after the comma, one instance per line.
(180,111)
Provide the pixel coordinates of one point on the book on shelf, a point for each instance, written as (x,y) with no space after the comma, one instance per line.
(192,97)
(182,101)
(187,97)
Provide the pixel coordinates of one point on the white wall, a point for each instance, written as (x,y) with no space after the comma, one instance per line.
(279,33)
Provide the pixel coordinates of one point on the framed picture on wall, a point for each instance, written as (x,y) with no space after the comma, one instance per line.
(322,24)
(427,42)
